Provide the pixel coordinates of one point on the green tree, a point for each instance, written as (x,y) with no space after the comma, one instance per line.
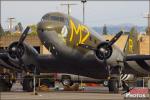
(146,30)
(133,32)
(133,46)
(1,30)
(104,30)
(7,33)
(33,29)
(19,27)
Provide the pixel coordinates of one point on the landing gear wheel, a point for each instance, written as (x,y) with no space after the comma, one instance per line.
(125,86)
(28,84)
(66,81)
(113,85)
(105,83)
(5,84)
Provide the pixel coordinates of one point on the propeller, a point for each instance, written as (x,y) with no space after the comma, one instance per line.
(23,36)
(104,50)
(16,49)
(21,40)
(115,38)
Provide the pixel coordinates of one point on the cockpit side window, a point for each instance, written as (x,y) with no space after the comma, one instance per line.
(46,17)
(57,18)
(53,18)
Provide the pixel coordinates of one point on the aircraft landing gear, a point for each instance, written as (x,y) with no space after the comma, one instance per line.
(125,86)
(113,85)
(66,80)
(68,83)
(5,83)
(28,83)
(114,82)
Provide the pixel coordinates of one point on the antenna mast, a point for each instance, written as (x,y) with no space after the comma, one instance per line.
(68,6)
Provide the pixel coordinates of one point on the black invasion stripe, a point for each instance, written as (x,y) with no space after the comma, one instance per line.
(125,77)
(122,76)
(143,64)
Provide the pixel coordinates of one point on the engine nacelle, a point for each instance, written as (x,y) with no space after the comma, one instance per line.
(104,50)
(22,51)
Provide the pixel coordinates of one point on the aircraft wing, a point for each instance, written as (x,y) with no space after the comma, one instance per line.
(140,63)
(5,62)
(89,68)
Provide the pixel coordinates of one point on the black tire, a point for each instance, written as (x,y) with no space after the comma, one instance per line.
(5,84)
(113,85)
(125,86)
(28,84)
(66,80)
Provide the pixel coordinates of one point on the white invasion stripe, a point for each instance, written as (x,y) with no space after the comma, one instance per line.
(137,67)
(148,62)
(122,76)
(128,76)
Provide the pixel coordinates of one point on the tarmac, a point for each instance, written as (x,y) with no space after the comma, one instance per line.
(59,96)
(89,93)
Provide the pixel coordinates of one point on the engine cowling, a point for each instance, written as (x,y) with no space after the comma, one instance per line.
(103,51)
(21,51)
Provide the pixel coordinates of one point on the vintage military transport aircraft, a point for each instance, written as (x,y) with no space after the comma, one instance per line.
(76,49)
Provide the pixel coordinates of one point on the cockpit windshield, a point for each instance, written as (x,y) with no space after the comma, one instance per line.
(53,18)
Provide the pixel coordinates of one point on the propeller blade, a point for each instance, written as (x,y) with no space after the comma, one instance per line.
(23,36)
(87,47)
(115,38)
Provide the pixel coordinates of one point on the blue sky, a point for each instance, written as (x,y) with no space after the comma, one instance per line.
(98,13)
